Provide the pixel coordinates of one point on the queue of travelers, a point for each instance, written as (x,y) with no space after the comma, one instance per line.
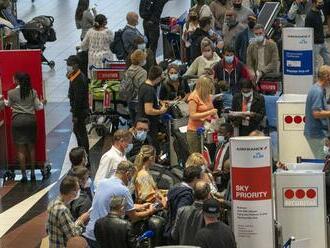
(227,53)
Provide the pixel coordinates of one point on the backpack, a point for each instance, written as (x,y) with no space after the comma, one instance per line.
(117,46)
(128,90)
(145,8)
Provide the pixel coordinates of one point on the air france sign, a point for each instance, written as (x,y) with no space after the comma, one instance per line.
(297,60)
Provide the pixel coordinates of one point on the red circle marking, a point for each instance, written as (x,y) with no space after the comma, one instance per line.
(288,119)
(289,194)
(311,193)
(304,119)
(300,193)
(297,119)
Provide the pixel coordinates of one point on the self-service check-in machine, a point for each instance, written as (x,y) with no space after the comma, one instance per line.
(301,204)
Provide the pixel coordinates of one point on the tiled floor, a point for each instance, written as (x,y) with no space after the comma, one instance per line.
(22,207)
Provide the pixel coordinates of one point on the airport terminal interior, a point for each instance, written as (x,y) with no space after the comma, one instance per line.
(264,168)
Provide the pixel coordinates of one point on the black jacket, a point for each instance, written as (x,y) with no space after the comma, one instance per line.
(314,20)
(113,232)
(196,39)
(178,196)
(257,106)
(81,205)
(78,95)
(188,222)
(157,10)
(241,44)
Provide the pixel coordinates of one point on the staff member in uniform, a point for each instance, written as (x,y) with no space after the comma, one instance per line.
(78,95)
(24,102)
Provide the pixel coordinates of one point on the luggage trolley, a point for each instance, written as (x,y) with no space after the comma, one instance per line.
(103,97)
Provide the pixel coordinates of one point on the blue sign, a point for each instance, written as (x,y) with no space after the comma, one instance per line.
(298,62)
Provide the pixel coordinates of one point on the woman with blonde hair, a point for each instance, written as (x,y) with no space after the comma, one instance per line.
(205,62)
(145,187)
(197,159)
(200,109)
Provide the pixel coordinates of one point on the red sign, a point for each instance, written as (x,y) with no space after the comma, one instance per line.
(107,74)
(247,188)
(300,197)
(28,61)
(106,99)
(268,86)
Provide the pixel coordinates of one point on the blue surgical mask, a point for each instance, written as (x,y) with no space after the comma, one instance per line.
(141,135)
(128,148)
(259,38)
(221,139)
(142,46)
(174,77)
(69,69)
(229,59)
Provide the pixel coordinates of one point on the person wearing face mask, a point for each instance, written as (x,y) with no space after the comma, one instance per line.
(136,75)
(200,33)
(188,29)
(149,105)
(315,19)
(113,230)
(230,70)
(84,202)
(241,11)
(252,106)
(219,8)
(122,144)
(232,28)
(226,131)
(204,62)
(130,32)
(140,137)
(60,224)
(145,187)
(297,12)
(245,38)
(116,186)
(78,95)
(203,10)
(262,55)
(173,87)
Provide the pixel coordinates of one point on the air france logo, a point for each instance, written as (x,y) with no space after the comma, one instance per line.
(258,155)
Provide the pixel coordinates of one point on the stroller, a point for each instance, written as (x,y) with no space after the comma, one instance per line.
(37,32)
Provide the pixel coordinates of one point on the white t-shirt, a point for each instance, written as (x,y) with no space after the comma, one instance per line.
(108,164)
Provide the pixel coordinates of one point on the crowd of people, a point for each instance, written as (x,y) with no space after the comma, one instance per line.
(227,54)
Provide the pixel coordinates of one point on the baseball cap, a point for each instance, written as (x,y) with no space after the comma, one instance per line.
(73,60)
(211,206)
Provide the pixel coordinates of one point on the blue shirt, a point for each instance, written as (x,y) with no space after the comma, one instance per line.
(316,101)
(106,189)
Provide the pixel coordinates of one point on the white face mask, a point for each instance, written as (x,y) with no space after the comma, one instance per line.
(88,183)
(142,46)
(174,77)
(326,150)
(221,139)
(77,195)
(69,69)
(247,95)
(143,63)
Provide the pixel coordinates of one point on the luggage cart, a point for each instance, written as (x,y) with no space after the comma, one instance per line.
(103,97)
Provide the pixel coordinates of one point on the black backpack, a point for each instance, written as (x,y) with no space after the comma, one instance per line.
(145,8)
(117,46)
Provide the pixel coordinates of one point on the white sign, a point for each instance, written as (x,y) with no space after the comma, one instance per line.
(297,60)
(252,205)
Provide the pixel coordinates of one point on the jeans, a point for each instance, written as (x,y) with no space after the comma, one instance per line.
(322,50)
(79,129)
(316,145)
(132,111)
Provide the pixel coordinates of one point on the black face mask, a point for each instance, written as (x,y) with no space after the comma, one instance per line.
(223,2)
(251,24)
(320,6)
(237,5)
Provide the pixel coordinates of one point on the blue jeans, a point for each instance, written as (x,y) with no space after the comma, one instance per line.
(322,50)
